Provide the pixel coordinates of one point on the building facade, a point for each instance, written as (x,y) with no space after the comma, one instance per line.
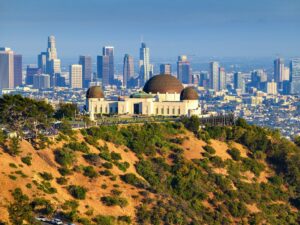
(214,76)
(75,76)
(87,71)
(162,95)
(184,71)
(6,68)
(295,76)
(165,69)
(18,75)
(128,69)
(145,68)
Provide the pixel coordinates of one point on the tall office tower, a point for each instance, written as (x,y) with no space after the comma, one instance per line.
(238,81)
(42,61)
(214,76)
(53,63)
(204,79)
(30,72)
(87,71)
(105,66)
(295,76)
(145,68)
(128,69)
(258,77)
(6,68)
(278,70)
(75,76)
(165,69)
(286,74)
(41,81)
(18,76)
(271,88)
(222,79)
(184,71)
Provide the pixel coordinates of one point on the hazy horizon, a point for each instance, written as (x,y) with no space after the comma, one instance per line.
(209,28)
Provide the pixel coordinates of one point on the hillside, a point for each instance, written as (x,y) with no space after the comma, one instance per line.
(154,174)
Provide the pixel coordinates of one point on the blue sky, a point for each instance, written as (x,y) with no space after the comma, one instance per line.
(256,28)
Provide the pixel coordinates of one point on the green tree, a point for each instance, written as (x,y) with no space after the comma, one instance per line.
(66,110)
(14,146)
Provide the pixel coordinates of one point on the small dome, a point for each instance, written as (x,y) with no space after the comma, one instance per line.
(189,93)
(95,92)
(163,83)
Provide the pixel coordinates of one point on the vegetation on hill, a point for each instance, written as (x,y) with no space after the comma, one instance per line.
(171,173)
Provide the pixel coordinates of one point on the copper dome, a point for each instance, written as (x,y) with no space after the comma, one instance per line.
(189,93)
(95,92)
(163,83)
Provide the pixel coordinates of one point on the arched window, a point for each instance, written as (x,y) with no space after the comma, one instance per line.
(178,111)
(173,111)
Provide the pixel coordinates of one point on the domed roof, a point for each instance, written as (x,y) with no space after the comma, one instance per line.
(95,92)
(163,83)
(189,93)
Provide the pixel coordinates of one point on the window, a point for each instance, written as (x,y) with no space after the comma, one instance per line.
(178,111)
(168,111)
(173,111)
(95,110)
(156,111)
(162,111)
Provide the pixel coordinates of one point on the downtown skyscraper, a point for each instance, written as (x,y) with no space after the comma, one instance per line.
(87,72)
(145,68)
(165,69)
(184,71)
(53,63)
(295,76)
(105,66)
(279,70)
(6,68)
(128,69)
(18,76)
(214,76)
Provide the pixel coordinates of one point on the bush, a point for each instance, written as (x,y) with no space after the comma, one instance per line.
(107,165)
(132,179)
(27,160)
(125,219)
(61,180)
(14,148)
(234,153)
(77,192)
(77,146)
(115,156)
(114,200)
(46,176)
(104,220)
(90,172)
(65,157)
(209,149)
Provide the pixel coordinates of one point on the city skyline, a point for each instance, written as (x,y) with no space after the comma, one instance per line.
(205,27)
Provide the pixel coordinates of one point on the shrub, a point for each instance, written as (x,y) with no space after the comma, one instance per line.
(65,157)
(104,220)
(61,180)
(64,171)
(209,149)
(107,165)
(77,146)
(46,176)
(14,148)
(27,160)
(12,165)
(125,219)
(234,153)
(114,200)
(42,206)
(92,158)
(90,172)
(132,179)
(115,156)
(77,192)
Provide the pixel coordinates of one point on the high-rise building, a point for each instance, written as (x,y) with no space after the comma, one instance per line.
(105,66)
(295,76)
(271,88)
(184,71)
(75,76)
(238,81)
(165,69)
(87,72)
(222,78)
(286,74)
(128,69)
(258,78)
(53,63)
(42,61)
(18,76)
(145,68)
(278,70)
(6,68)
(41,81)
(214,76)
(30,72)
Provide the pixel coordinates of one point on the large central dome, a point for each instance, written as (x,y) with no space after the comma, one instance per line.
(163,83)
